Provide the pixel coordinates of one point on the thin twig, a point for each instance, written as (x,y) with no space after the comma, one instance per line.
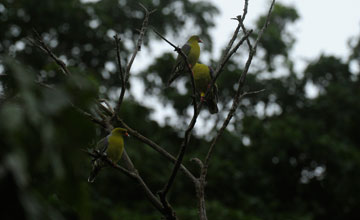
(225,58)
(96,155)
(121,71)
(231,42)
(245,10)
(130,172)
(125,76)
(39,43)
(118,58)
(221,66)
(92,118)
(152,198)
(241,23)
(252,92)
(156,147)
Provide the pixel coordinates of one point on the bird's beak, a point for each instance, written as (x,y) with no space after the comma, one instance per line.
(200,41)
(127,134)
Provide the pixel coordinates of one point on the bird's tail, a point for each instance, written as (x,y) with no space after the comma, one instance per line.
(172,78)
(95,170)
(212,106)
(177,70)
(212,100)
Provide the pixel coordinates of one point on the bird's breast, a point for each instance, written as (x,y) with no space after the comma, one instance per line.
(115,148)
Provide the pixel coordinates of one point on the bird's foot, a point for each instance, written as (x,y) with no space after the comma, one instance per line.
(104,155)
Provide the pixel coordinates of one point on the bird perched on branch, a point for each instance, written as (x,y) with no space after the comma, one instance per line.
(203,75)
(192,50)
(111,146)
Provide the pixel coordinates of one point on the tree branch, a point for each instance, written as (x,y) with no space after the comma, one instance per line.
(125,76)
(200,186)
(39,43)
(238,94)
(130,172)
(121,71)
(156,147)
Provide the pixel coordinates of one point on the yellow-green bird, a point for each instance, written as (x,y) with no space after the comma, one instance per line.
(192,50)
(203,75)
(112,146)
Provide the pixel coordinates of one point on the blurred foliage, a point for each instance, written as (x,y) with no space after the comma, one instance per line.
(285,155)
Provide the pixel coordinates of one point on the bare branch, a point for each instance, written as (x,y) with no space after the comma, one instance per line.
(39,43)
(92,118)
(198,162)
(238,94)
(228,56)
(200,194)
(125,76)
(118,58)
(122,74)
(163,192)
(156,147)
(130,172)
(152,198)
(265,25)
(245,9)
(245,31)
(231,42)
(96,155)
(236,32)
(252,92)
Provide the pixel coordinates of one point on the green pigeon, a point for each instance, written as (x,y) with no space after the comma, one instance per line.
(112,146)
(203,75)
(192,50)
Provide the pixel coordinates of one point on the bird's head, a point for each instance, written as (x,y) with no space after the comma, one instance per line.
(121,131)
(195,38)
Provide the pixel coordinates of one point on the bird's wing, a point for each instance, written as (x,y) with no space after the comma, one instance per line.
(103,144)
(186,49)
(180,64)
(97,164)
